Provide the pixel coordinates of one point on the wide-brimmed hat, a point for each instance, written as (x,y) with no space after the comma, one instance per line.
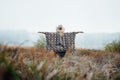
(60,28)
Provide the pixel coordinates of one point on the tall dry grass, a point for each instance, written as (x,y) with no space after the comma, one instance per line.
(20,63)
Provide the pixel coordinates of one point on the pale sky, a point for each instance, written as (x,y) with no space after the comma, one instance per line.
(90,16)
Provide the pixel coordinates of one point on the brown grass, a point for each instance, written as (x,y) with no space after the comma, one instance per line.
(38,64)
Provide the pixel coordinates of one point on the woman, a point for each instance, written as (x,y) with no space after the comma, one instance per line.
(60,41)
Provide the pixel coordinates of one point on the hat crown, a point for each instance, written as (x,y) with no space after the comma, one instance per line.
(60,29)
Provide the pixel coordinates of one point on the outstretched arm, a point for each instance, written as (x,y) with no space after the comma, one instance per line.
(42,32)
(78,32)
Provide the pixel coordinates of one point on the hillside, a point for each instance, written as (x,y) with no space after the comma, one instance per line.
(86,40)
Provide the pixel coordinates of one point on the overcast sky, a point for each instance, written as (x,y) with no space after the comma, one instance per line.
(90,16)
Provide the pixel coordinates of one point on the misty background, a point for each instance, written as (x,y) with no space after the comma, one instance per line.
(20,20)
(86,40)
(90,16)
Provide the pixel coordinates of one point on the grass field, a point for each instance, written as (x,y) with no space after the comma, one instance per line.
(28,63)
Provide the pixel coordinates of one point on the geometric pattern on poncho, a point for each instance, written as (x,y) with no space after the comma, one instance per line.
(60,43)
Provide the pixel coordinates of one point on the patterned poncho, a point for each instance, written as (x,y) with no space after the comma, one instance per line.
(60,43)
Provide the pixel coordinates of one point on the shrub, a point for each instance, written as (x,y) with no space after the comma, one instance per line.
(113,47)
(41,42)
